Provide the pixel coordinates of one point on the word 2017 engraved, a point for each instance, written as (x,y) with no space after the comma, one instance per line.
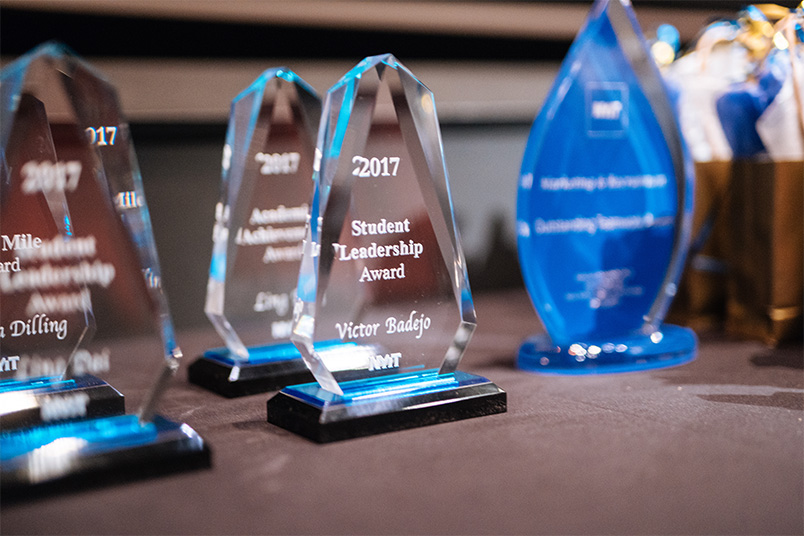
(48,176)
(387,166)
(278,164)
(101,136)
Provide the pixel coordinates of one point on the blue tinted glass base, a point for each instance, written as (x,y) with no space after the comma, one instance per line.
(671,346)
(376,406)
(34,401)
(67,455)
(268,368)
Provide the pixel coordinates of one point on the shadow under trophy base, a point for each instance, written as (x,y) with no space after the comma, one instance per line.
(266,188)
(604,209)
(84,262)
(384,310)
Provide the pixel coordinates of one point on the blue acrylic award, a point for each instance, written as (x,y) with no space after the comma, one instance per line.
(604,209)
(260,221)
(383,311)
(79,267)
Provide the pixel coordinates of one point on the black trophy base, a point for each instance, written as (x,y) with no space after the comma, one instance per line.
(324,417)
(25,403)
(80,454)
(269,368)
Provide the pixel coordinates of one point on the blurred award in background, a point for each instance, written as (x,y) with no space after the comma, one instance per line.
(604,208)
(384,310)
(78,259)
(741,106)
(266,189)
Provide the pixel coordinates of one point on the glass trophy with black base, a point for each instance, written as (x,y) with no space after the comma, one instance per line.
(45,312)
(383,311)
(260,222)
(79,268)
(604,209)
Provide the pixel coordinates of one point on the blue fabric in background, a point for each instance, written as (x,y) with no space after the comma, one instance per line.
(740,107)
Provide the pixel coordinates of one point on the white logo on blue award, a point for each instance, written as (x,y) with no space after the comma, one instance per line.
(606,109)
(604,208)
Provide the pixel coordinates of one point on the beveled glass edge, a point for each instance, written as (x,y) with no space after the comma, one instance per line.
(339,101)
(389,394)
(635,49)
(144,245)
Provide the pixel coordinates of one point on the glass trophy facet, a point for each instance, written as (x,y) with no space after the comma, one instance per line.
(604,209)
(383,311)
(45,310)
(78,260)
(257,240)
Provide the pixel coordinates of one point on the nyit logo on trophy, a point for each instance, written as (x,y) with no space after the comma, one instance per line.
(606,109)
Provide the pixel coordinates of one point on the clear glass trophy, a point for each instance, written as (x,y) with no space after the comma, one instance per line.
(604,208)
(257,240)
(78,266)
(44,316)
(383,311)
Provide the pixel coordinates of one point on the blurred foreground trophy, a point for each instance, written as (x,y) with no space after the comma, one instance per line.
(257,241)
(604,209)
(78,253)
(384,311)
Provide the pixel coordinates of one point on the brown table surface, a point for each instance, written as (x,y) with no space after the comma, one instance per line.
(712,447)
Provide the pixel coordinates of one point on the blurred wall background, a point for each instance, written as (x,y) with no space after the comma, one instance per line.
(178,64)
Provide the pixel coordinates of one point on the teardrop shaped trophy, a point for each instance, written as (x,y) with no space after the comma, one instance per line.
(604,209)
(260,221)
(383,311)
(82,301)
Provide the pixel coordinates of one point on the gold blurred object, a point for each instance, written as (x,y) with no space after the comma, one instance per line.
(746,265)
(758,33)
(766,231)
(787,27)
(766,251)
(714,34)
(773,12)
(756,36)
(663,53)
(700,302)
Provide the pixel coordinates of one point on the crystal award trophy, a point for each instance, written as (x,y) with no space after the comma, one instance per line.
(79,265)
(257,240)
(383,311)
(44,316)
(604,209)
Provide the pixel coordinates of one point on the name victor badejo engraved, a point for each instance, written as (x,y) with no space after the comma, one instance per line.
(415,323)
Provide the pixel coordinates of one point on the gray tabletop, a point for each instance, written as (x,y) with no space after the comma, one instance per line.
(712,447)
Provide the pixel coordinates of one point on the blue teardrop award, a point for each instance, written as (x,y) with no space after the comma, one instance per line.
(604,209)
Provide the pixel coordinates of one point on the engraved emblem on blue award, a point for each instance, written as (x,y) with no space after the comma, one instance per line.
(79,266)
(260,221)
(604,209)
(383,311)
